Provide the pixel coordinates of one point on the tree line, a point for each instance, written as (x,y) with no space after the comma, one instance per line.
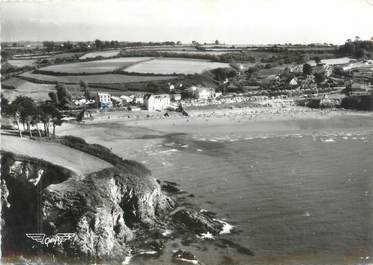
(25,111)
(356,48)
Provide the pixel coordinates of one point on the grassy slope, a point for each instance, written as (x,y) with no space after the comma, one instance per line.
(64,156)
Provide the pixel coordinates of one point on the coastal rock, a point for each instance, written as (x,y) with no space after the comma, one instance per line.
(106,210)
(185,257)
(117,212)
(198,222)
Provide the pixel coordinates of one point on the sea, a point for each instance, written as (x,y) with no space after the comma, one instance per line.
(296,192)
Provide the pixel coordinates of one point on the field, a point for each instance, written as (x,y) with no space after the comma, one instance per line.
(170,66)
(332,61)
(105,54)
(99,66)
(98,79)
(22,63)
(38,92)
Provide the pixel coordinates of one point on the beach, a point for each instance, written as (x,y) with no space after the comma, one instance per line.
(295,184)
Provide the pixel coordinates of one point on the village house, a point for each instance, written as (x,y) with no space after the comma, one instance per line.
(358,89)
(138,99)
(296,68)
(175,97)
(126,99)
(104,100)
(157,102)
(201,92)
(117,101)
(293,82)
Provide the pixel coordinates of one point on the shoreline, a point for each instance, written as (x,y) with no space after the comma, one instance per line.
(212,121)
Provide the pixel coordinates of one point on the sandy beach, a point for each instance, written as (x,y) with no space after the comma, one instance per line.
(211,121)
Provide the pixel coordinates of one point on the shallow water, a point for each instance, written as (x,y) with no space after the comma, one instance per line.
(298,195)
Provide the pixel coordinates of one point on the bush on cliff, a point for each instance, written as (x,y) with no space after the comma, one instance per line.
(358,102)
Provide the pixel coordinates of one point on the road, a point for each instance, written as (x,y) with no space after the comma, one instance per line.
(79,162)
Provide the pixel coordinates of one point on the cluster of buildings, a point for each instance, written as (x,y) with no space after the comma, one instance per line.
(358,78)
(150,102)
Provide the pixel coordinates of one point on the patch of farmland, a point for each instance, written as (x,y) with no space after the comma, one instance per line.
(209,52)
(104,54)
(97,79)
(38,92)
(22,62)
(170,66)
(332,61)
(99,66)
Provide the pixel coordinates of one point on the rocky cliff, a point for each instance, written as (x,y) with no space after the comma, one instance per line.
(113,213)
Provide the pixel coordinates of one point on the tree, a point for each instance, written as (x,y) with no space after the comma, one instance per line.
(64,97)
(25,110)
(49,113)
(222,74)
(319,77)
(11,110)
(49,45)
(98,44)
(317,60)
(217,42)
(4,104)
(307,69)
(85,87)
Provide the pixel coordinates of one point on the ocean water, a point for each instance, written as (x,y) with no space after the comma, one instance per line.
(297,197)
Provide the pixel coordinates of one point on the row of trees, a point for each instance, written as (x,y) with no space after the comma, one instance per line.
(357,48)
(26,112)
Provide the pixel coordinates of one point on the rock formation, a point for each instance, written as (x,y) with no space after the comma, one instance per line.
(113,213)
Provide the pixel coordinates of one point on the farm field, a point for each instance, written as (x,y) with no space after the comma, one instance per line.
(209,52)
(22,62)
(99,66)
(97,79)
(105,54)
(170,66)
(38,92)
(332,61)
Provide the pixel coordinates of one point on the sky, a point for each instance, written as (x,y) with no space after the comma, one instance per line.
(229,21)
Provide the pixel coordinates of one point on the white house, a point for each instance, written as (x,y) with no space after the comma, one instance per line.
(175,97)
(202,92)
(117,101)
(126,99)
(104,99)
(157,102)
(293,82)
(171,87)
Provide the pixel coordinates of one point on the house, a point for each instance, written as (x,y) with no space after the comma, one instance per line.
(171,87)
(293,82)
(104,100)
(175,97)
(323,69)
(358,89)
(126,99)
(296,68)
(117,101)
(156,102)
(202,92)
(138,100)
